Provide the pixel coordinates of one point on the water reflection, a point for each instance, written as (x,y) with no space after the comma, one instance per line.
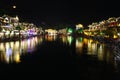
(50,37)
(67,40)
(94,48)
(79,45)
(70,40)
(11,51)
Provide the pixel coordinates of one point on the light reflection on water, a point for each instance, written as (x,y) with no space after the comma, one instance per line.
(67,40)
(50,37)
(11,51)
(96,49)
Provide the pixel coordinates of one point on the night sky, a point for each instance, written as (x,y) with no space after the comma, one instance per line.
(53,12)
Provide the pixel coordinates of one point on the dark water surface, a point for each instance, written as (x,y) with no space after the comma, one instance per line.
(60,54)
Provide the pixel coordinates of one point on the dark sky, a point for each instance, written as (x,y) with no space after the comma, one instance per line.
(63,11)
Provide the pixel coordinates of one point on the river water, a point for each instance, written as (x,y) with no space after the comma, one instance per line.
(60,54)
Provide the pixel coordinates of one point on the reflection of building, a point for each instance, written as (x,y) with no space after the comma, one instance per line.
(70,40)
(95,50)
(50,38)
(79,45)
(11,51)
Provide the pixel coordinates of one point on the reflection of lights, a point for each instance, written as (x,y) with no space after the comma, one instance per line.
(36,39)
(81,39)
(2,47)
(29,44)
(85,41)
(70,39)
(33,43)
(12,44)
(7,45)
(94,48)
(51,38)
(17,58)
(11,51)
(25,45)
(100,53)
(64,40)
(89,48)
(79,46)
(109,56)
(17,45)
(8,54)
(22,44)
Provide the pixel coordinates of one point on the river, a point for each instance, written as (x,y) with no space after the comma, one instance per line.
(60,54)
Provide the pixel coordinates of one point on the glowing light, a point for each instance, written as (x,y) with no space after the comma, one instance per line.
(2,47)
(115,36)
(17,45)
(17,58)
(70,39)
(118,24)
(79,46)
(64,40)
(17,18)
(79,26)
(70,30)
(51,31)
(80,39)
(14,6)
(11,51)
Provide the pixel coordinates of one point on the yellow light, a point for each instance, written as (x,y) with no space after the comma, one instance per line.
(17,58)
(17,18)
(14,7)
(79,26)
(119,24)
(115,36)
